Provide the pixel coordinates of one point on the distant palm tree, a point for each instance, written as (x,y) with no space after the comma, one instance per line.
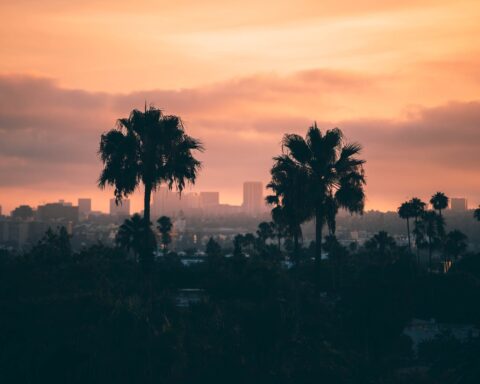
(406,212)
(476,213)
(439,202)
(455,244)
(381,242)
(131,235)
(432,227)
(332,173)
(265,231)
(418,208)
(147,148)
(165,228)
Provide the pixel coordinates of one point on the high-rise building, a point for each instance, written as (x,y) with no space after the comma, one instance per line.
(166,202)
(209,199)
(84,207)
(253,197)
(57,212)
(458,204)
(122,209)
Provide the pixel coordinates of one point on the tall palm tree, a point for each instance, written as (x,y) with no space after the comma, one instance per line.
(405,211)
(334,176)
(165,228)
(439,202)
(148,148)
(476,213)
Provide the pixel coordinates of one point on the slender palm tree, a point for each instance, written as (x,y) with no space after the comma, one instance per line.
(476,213)
(405,211)
(148,148)
(418,208)
(165,228)
(334,176)
(432,227)
(439,202)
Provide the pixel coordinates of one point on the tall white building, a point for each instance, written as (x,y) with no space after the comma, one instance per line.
(166,202)
(253,197)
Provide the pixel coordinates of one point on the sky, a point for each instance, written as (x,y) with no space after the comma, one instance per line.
(399,77)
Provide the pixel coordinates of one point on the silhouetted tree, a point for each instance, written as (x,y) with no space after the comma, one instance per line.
(265,231)
(476,213)
(332,174)
(432,227)
(406,212)
(455,244)
(23,212)
(418,208)
(290,186)
(439,202)
(150,148)
(213,249)
(165,228)
(131,235)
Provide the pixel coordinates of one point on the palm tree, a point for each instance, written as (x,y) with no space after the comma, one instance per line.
(418,208)
(382,245)
(332,173)
(131,235)
(265,231)
(165,228)
(439,202)
(455,244)
(476,213)
(405,211)
(432,226)
(148,148)
(289,184)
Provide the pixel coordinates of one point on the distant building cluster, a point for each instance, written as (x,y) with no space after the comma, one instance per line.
(26,225)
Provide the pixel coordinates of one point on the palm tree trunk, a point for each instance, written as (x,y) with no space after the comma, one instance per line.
(430,254)
(295,246)
(146,204)
(408,234)
(318,235)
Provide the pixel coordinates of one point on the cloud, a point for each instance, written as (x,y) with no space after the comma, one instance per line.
(49,135)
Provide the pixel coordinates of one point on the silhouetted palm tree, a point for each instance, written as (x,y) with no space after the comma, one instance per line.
(455,244)
(418,208)
(165,228)
(147,148)
(265,231)
(382,245)
(439,202)
(333,176)
(432,227)
(131,235)
(290,186)
(476,213)
(405,211)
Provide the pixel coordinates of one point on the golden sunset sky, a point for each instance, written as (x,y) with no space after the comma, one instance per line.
(400,77)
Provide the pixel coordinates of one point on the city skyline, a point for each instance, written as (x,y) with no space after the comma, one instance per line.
(284,73)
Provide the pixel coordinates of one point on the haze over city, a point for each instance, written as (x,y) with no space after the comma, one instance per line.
(399,77)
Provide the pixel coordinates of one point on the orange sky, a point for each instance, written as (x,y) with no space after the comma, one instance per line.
(400,77)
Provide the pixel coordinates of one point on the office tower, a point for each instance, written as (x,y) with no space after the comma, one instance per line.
(209,199)
(253,197)
(57,212)
(458,204)
(84,208)
(166,202)
(122,209)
